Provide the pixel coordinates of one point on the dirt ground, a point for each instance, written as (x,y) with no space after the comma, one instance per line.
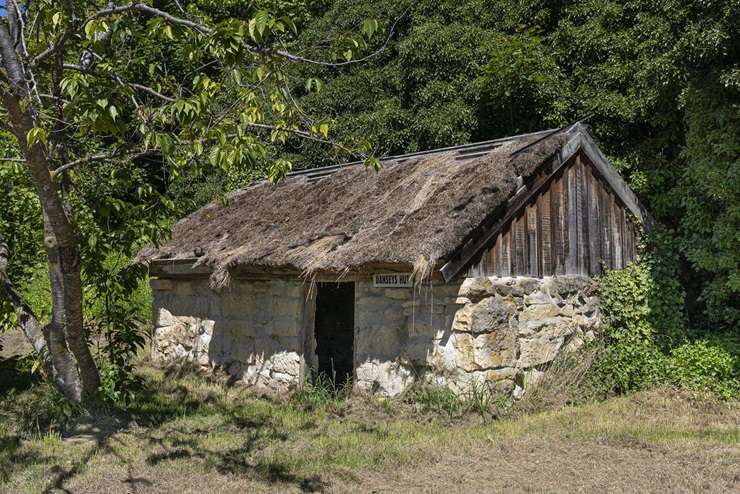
(526,465)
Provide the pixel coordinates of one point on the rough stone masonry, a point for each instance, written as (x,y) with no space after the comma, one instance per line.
(500,332)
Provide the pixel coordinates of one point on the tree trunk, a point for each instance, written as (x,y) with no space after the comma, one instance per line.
(66,331)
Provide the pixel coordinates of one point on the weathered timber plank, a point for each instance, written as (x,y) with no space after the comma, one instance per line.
(571,218)
(594,247)
(546,234)
(582,230)
(532,247)
(556,201)
(520,245)
(506,252)
(616,239)
(604,230)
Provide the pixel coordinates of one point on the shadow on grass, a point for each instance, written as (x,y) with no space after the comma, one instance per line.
(241,460)
(15,374)
(155,419)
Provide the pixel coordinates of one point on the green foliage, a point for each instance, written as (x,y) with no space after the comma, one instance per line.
(523,87)
(645,301)
(711,195)
(703,365)
(478,398)
(660,79)
(39,410)
(320,390)
(647,342)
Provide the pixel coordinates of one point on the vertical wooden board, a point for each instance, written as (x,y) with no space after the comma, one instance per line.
(604,230)
(571,257)
(496,257)
(582,218)
(632,242)
(556,211)
(493,256)
(616,241)
(532,247)
(594,247)
(520,245)
(505,252)
(543,211)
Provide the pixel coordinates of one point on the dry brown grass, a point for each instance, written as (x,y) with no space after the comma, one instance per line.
(206,438)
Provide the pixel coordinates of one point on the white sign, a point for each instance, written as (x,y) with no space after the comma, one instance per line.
(390,280)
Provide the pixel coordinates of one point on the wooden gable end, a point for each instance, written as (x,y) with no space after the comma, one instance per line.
(574,223)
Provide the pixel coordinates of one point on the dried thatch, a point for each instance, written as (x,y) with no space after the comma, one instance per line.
(414,212)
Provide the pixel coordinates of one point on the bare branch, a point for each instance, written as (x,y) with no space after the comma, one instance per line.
(203,29)
(140,7)
(12,160)
(102,157)
(308,136)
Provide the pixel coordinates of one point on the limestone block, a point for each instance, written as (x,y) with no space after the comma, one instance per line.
(537,312)
(569,285)
(419,350)
(543,347)
(567,310)
(165,318)
(494,349)
(387,378)
(464,351)
(476,288)
(537,297)
(287,363)
(379,341)
(529,327)
(284,380)
(491,314)
(574,344)
(206,326)
(532,377)
(506,373)
(398,293)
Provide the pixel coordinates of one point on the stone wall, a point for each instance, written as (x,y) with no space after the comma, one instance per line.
(507,329)
(497,330)
(252,331)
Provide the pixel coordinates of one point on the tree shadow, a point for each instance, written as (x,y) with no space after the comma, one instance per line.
(15,374)
(239,460)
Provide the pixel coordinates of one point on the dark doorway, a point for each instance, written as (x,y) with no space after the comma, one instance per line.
(335,329)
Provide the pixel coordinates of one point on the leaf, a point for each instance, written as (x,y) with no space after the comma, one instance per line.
(35,135)
(369,27)
(56,19)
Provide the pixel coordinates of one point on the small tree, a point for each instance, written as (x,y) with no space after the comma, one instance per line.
(86,82)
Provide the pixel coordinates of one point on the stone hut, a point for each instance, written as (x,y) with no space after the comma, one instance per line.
(465,264)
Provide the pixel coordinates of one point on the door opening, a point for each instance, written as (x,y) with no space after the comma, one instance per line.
(334,329)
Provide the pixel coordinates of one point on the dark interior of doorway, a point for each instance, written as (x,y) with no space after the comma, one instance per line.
(334,330)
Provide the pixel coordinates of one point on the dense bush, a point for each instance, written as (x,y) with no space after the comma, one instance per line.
(647,342)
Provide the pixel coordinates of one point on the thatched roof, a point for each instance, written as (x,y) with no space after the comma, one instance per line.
(415,211)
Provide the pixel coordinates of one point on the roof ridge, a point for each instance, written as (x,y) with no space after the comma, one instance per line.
(467,150)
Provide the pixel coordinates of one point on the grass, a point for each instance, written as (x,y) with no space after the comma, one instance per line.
(191,434)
